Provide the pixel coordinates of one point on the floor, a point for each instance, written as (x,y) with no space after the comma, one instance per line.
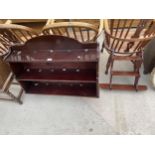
(114,112)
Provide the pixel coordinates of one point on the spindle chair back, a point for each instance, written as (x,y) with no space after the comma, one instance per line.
(83,32)
(13,34)
(126,37)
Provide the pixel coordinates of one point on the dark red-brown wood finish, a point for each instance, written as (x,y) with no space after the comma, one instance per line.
(125,40)
(56,65)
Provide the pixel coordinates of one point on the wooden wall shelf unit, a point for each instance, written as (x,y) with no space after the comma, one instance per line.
(56,65)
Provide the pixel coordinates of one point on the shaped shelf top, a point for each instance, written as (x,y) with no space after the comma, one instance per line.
(52,48)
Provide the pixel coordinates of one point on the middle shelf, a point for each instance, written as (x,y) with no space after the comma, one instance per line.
(56,72)
(63,75)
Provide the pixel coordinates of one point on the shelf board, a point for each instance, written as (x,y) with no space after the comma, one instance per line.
(50,56)
(89,91)
(83,76)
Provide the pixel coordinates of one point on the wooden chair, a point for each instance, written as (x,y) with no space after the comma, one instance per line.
(6,81)
(81,31)
(13,34)
(10,35)
(125,41)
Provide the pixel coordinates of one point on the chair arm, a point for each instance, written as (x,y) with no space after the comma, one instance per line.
(8,21)
(50,21)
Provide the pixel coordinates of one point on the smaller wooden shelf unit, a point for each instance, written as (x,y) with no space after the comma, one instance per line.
(56,65)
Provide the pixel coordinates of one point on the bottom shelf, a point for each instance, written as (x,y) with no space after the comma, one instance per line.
(89,90)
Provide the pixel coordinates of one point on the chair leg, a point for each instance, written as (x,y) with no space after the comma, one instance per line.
(135,73)
(136,82)
(102,48)
(111,76)
(108,64)
(13,97)
(137,66)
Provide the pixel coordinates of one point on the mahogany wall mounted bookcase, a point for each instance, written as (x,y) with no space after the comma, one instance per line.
(56,65)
